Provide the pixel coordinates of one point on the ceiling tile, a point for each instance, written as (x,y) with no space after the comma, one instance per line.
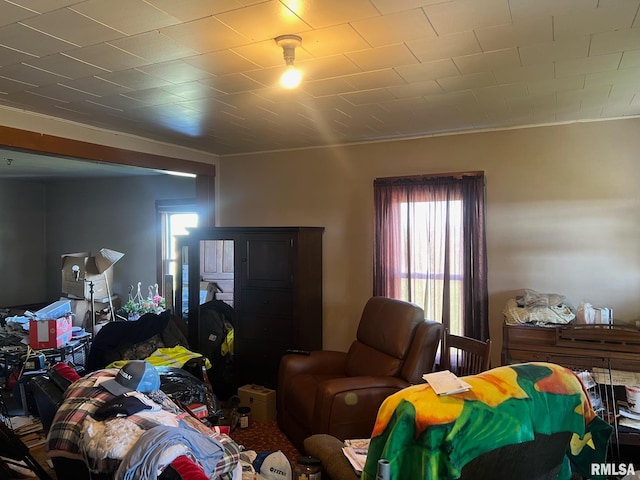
(62,93)
(249,21)
(464,82)
(452,98)
(334,40)
(95,86)
(373,79)
(27,74)
(64,65)
(619,77)
(128,16)
(428,71)
(205,35)
(233,83)
(10,13)
(548,52)
(463,15)
(496,94)
(395,28)
(391,6)
(324,13)
(190,90)
(616,41)
(416,89)
(445,46)
(118,102)
(153,96)
(194,9)
(175,71)
(8,85)
(520,33)
(327,67)
(365,97)
(43,6)
(556,85)
(223,62)
(600,63)
(267,53)
(483,62)
(153,47)
(383,57)
(618,15)
(72,27)
(107,57)
(133,79)
(329,86)
(524,74)
(630,59)
(24,39)
(9,56)
(526,9)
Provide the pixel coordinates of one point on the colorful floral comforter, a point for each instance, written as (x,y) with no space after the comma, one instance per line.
(425,436)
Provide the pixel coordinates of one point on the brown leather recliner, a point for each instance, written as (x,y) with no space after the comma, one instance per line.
(339,393)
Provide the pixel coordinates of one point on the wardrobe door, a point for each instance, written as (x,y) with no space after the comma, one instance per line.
(266,298)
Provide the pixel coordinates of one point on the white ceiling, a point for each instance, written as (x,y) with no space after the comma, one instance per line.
(203,74)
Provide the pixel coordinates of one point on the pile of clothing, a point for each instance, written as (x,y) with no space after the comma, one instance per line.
(538,309)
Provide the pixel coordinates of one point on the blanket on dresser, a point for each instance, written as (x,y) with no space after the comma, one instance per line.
(426,436)
(75,434)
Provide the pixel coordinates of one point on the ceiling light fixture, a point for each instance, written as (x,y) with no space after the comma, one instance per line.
(292,76)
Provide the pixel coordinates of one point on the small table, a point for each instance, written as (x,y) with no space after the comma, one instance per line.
(76,351)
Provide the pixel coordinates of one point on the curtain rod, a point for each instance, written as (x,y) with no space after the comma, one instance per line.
(457,175)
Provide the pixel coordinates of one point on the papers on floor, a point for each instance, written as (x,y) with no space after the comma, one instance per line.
(356,452)
(446,382)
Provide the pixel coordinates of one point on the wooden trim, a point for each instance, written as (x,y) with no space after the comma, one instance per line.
(52,145)
(205,200)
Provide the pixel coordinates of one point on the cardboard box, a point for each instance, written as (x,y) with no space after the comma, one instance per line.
(81,308)
(82,270)
(261,400)
(50,333)
(58,309)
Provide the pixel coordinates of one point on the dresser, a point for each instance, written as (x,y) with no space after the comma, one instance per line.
(583,348)
(272,276)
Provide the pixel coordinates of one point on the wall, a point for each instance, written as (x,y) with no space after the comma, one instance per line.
(563,211)
(114,213)
(22,242)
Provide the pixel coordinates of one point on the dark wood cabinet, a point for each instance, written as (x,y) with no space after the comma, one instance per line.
(275,274)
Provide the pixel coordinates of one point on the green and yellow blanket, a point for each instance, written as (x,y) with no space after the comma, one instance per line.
(431,437)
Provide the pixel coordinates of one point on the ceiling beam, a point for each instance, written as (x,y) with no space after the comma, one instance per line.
(52,145)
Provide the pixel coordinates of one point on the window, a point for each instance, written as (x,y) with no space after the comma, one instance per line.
(430,247)
(174,217)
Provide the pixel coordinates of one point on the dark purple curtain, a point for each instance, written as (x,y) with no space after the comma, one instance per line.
(430,248)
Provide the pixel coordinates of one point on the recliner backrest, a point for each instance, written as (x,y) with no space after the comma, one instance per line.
(385,334)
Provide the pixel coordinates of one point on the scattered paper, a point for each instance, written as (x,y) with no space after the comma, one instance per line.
(446,382)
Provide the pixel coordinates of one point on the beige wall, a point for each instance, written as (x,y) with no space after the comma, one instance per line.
(563,211)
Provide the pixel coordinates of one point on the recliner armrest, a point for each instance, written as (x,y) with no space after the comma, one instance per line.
(352,399)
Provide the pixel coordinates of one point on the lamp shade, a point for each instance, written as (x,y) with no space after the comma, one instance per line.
(106,258)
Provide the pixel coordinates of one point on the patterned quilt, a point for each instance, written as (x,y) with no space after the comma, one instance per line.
(426,436)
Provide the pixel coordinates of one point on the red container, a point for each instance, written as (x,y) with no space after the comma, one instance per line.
(50,333)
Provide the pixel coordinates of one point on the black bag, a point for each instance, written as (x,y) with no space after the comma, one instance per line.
(217,319)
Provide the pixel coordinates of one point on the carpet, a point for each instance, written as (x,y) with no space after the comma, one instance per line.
(266,437)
